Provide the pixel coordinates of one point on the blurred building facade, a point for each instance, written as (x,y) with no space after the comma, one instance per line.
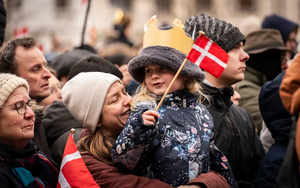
(62,20)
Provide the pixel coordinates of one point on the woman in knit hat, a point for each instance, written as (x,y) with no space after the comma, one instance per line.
(174,144)
(99,102)
(21,164)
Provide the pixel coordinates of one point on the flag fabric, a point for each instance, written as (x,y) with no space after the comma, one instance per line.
(208,56)
(73,172)
(21,32)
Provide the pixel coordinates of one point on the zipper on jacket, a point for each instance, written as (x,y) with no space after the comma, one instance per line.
(232,134)
(150,166)
(167,126)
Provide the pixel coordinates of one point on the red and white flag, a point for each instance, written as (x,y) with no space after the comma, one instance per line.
(21,32)
(208,56)
(73,172)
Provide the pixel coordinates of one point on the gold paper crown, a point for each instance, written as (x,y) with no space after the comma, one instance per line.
(173,38)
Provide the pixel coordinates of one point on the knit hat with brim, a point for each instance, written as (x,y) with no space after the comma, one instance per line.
(224,34)
(263,40)
(8,83)
(84,96)
(166,57)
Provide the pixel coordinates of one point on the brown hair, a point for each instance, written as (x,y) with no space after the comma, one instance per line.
(143,93)
(98,145)
(8,63)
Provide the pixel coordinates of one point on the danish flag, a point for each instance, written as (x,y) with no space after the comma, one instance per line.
(73,172)
(208,56)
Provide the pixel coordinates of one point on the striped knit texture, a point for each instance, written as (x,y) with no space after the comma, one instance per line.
(221,32)
(8,83)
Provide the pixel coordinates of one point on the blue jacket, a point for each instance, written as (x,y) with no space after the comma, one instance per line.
(177,148)
(278,120)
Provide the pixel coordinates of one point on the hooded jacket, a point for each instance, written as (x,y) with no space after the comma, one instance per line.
(283,25)
(235,136)
(178,148)
(278,120)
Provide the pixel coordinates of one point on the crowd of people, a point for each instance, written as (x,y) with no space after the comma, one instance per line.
(136,126)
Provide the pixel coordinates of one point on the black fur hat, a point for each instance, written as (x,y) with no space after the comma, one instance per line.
(166,57)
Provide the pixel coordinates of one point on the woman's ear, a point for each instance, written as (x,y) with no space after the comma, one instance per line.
(99,122)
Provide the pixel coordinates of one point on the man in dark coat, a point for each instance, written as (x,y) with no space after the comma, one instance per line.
(234,128)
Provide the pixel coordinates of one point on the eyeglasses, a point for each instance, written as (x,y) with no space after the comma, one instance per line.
(21,106)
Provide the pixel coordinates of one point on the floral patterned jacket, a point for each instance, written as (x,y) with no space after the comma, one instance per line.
(176,149)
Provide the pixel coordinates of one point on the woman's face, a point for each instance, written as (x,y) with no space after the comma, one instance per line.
(15,129)
(116,109)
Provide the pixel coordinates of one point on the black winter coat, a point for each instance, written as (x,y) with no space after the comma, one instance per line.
(235,135)
(57,122)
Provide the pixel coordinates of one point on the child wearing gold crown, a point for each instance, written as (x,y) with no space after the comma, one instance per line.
(175,144)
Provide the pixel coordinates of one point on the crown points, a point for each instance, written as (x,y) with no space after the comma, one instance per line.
(178,23)
(174,38)
(152,20)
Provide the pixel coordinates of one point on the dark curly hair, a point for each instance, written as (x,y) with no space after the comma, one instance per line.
(8,63)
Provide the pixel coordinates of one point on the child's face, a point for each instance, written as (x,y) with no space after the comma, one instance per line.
(158,80)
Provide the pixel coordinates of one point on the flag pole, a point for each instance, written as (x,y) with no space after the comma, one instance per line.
(176,75)
(72,130)
(85,22)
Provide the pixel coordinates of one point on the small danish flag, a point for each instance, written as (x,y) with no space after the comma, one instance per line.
(208,56)
(73,171)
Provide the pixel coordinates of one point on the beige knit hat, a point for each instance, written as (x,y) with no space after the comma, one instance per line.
(84,96)
(8,83)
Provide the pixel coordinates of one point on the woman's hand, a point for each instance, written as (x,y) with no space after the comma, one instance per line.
(149,117)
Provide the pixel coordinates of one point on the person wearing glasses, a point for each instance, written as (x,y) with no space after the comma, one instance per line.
(21,162)
(21,57)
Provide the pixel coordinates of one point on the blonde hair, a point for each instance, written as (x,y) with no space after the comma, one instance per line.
(98,145)
(143,93)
